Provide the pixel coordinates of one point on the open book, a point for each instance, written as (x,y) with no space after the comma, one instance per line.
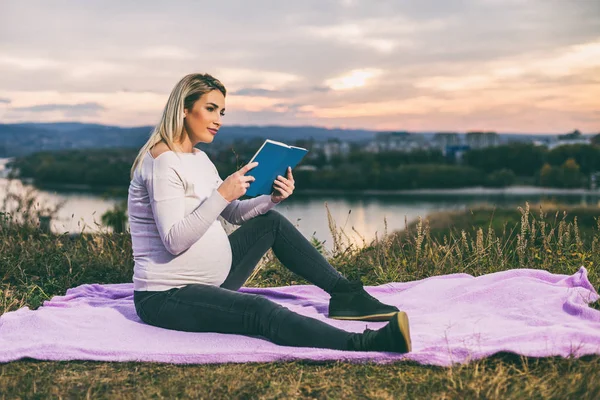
(273,159)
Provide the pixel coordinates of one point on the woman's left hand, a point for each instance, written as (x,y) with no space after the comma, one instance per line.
(284,187)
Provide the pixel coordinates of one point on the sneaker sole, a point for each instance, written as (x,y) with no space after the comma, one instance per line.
(402,319)
(369,317)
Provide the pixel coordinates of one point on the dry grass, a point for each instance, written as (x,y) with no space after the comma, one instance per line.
(499,377)
(35,266)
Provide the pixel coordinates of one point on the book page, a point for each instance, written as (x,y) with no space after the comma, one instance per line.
(277,143)
(263,145)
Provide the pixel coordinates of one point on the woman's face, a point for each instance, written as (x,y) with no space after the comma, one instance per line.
(204,119)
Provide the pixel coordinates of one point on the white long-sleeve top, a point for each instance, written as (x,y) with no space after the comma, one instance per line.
(173,205)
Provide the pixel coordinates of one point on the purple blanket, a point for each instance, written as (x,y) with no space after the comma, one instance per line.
(454,318)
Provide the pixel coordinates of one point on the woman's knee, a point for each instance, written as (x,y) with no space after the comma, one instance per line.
(273,217)
(273,214)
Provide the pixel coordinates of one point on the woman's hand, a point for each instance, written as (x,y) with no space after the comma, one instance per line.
(237,183)
(284,187)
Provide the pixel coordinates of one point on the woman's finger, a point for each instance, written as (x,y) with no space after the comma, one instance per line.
(289,186)
(281,185)
(286,184)
(283,188)
(283,179)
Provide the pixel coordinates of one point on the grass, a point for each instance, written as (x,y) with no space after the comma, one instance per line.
(35,266)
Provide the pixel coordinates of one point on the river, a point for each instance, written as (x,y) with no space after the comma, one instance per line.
(361,215)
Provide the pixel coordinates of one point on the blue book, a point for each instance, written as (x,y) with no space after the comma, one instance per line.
(273,159)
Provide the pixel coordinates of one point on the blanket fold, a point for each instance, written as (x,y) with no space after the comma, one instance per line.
(454,319)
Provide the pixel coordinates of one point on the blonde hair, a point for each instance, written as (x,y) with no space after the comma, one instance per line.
(183,96)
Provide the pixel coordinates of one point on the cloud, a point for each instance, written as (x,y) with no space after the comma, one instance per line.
(253,92)
(353,79)
(72,110)
(565,63)
(290,91)
(381,34)
(320,89)
(4,100)
(432,59)
(171,53)
(260,79)
(28,63)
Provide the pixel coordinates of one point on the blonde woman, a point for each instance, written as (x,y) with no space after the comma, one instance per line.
(188,270)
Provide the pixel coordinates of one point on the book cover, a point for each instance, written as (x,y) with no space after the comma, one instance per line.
(273,159)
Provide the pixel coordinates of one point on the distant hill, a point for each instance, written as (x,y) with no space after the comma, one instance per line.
(21,139)
(25,138)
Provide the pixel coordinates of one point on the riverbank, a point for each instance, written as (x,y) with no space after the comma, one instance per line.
(50,264)
(468,191)
(513,190)
(516,191)
(440,223)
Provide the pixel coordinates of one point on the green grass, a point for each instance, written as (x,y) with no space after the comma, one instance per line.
(36,266)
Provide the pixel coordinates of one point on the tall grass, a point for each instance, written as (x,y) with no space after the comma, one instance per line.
(34,266)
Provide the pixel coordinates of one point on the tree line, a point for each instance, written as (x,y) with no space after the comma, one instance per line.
(567,166)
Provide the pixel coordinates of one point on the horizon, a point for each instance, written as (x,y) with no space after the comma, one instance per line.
(309,126)
(512,67)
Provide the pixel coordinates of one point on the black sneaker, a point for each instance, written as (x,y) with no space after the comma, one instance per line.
(354,303)
(394,337)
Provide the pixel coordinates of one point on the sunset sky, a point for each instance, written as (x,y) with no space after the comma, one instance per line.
(527,66)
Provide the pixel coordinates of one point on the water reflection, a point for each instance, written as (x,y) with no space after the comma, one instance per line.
(79,212)
(361,216)
(366,214)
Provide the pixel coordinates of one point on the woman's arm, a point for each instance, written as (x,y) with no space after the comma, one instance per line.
(240,211)
(167,198)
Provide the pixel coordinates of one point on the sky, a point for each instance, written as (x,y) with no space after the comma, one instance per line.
(519,66)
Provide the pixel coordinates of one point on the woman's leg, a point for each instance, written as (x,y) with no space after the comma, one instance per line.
(206,308)
(272,230)
(250,242)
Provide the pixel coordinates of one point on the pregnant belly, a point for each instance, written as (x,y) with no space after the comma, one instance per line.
(210,257)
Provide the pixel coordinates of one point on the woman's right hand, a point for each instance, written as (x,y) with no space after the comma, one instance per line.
(237,183)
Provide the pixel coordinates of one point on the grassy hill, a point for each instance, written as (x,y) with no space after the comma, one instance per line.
(36,266)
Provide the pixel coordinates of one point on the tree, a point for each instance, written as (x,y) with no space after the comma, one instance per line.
(116,218)
(571,174)
(596,140)
(549,176)
(523,159)
(501,178)
(586,156)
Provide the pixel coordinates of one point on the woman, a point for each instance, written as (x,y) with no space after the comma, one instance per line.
(187,270)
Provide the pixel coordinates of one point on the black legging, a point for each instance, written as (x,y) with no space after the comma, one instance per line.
(207,308)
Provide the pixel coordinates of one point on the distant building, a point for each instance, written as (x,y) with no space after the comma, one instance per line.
(306,168)
(397,141)
(542,142)
(574,137)
(444,140)
(481,140)
(333,147)
(372,147)
(456,152)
